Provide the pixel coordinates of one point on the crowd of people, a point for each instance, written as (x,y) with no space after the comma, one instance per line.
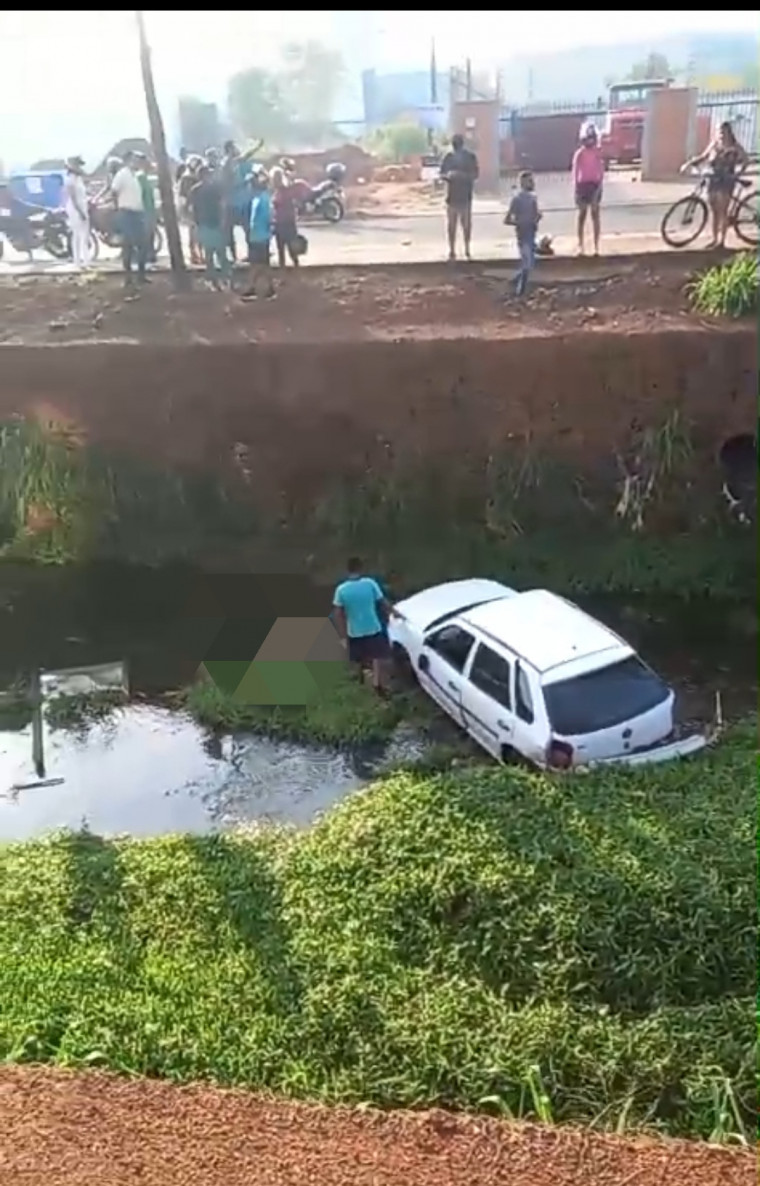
(222,196)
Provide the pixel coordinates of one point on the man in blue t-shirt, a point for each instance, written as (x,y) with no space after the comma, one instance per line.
(360,609)
(259,238)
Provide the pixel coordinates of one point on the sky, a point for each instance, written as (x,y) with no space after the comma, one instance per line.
(69,75)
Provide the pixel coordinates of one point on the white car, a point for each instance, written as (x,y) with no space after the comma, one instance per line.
(531,675)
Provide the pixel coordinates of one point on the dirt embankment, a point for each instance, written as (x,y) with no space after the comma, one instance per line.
(298,419)
(358,304)
(59,1129)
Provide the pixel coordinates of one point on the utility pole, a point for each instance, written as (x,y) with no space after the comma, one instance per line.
(433,75)
(180,274)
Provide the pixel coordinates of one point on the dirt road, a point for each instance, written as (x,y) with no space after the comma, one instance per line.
(61,1129)
(395,235)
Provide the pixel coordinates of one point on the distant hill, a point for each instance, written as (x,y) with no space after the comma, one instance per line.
(584,73)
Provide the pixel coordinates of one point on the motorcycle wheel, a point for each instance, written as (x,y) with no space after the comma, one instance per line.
(332,209)
(57,244)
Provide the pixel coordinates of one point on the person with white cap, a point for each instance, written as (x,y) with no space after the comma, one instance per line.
(77,211)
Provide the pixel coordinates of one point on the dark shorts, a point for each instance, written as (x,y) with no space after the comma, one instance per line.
(588,193)
(459,209)
(258,254)
(721,185)
(369,648)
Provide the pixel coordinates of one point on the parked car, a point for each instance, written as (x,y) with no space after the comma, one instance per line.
(531,676)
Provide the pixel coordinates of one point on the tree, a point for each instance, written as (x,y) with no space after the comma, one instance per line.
(655,65)
(397,141)
(158,139)
(257,107)
(310,81)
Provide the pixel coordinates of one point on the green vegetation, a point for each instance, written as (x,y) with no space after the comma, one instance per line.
(635,532)
(77,713)
(62,502)
(728,290)
(349,714)
(397,141)
(578,949)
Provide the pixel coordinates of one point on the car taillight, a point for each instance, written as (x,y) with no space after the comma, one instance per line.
(559,755)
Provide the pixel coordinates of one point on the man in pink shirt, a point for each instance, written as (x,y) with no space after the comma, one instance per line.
(588,177)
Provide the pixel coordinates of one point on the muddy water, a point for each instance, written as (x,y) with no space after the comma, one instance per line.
(149,771)
(146,770)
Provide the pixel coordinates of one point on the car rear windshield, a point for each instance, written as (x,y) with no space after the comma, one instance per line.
(604,698)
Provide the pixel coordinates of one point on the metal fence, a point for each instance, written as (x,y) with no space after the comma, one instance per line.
(739,108)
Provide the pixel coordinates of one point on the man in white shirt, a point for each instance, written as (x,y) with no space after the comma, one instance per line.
(128,196)
(77,211)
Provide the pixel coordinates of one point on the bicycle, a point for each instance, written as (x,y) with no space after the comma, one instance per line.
(687,218)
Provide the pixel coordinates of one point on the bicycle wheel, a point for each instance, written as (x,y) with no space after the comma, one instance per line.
(684,221)
(746,219)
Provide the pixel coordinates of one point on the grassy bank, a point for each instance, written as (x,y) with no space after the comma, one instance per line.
(524,517)
(578,949)
(349,715)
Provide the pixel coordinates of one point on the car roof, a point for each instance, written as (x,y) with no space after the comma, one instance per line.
(545,630)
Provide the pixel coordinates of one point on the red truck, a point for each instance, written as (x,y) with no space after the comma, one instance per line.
(626,113)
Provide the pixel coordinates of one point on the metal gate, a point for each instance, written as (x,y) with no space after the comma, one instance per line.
(739,108)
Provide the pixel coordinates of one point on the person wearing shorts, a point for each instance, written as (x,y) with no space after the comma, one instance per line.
(460,171)
(360,607)
(259,239)
(727,159)
(588,179)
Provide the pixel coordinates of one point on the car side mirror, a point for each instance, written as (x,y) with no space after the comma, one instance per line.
(424,663)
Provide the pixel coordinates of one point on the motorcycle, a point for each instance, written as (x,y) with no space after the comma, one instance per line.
(33,229)
(319,201)
(104,221)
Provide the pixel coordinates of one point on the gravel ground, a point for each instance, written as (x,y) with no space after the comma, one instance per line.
(65,1129)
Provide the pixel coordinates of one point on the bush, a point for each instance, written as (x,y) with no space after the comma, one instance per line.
(472,941)
(728,290)
(395,142)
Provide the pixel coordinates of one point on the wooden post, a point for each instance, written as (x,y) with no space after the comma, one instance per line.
(158,139)
(35,696)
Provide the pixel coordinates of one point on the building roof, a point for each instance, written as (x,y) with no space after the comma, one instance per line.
(544,629)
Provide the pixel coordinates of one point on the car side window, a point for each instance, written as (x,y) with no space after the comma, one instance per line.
(491,674)
(453,644)
(523,697)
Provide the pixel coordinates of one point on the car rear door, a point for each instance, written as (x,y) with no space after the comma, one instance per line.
(443,658)
(487,700)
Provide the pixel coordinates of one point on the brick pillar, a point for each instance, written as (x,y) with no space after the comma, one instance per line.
(478,121)
(670,132)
